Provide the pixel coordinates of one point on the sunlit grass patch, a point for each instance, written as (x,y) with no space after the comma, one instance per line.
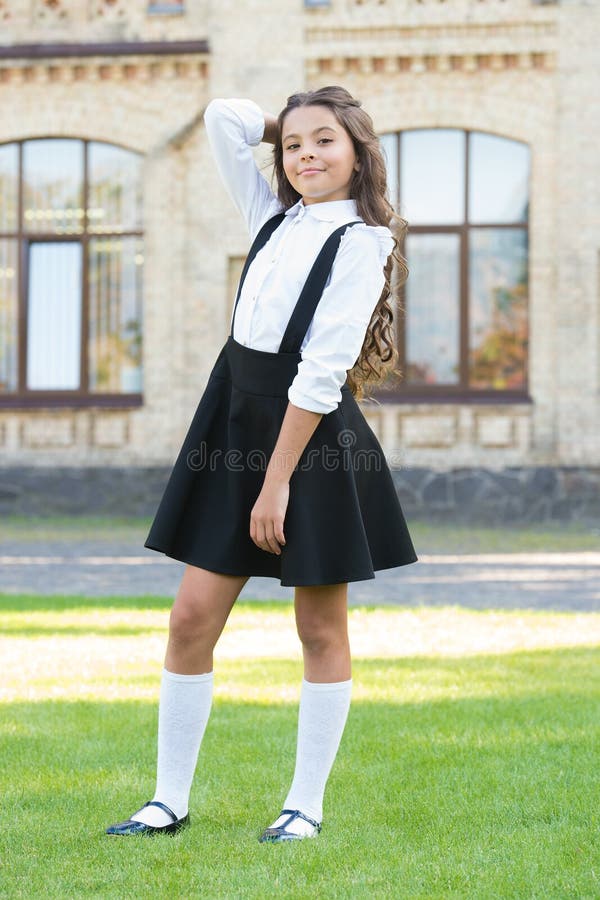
(56,647)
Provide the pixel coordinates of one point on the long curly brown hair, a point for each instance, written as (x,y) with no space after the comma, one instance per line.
(368,186)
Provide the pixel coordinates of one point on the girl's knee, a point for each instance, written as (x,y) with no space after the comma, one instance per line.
(187,621)
(320,636)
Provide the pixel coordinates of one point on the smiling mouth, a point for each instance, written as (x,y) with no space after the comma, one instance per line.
(311,171)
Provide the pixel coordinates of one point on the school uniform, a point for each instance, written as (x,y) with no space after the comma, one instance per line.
(310,283)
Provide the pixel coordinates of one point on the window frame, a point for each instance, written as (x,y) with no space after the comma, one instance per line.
(460,392)
(28,398)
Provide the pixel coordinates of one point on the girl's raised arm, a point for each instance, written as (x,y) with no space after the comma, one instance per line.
(233,127)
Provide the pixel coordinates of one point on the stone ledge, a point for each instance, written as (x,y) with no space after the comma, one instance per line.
(468,495)
(511,495)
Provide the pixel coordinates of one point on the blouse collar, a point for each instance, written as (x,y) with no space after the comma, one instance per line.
(328,211)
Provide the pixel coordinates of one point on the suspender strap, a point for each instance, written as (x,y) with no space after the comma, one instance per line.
(257,244)
(309,298)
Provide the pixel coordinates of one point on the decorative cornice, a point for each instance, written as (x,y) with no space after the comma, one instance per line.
(386,32)
(93,70)
(124,61)
(417,63)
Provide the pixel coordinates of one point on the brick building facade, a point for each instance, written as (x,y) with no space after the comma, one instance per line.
(109,191)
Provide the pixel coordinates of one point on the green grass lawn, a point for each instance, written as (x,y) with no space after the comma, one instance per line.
(468,767)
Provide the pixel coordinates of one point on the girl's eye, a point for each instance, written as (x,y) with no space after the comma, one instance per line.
(291,146)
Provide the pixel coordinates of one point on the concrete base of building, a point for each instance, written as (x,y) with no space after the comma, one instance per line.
(516,494)
(471,495)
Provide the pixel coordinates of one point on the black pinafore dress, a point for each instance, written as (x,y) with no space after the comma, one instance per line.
(343,521)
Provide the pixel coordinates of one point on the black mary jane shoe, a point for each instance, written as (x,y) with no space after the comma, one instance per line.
(280,834)
(131,826)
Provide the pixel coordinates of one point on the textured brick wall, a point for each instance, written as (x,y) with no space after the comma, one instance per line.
(516,69)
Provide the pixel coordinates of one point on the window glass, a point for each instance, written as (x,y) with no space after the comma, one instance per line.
(53,186)
(498,180)
(432,309)
(115,314)
(432,184)
(54,316)
(115,191)
(9,311)
(498,330)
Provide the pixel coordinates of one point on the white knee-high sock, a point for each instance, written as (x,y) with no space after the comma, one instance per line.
(184,709)
(321,722)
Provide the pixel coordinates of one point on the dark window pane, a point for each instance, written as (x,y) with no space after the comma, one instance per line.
(498,179)
(115,284)
(432,309)
(53,186)
(498,329)
(54,316)
(9,187)
(115,194)
(8,315)
(432,184)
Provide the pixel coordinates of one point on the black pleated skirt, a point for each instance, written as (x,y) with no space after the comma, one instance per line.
(344,520)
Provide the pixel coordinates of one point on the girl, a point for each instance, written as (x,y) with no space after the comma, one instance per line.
(279,474)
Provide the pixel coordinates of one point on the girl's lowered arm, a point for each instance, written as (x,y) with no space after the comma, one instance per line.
(268,513)
(296,431)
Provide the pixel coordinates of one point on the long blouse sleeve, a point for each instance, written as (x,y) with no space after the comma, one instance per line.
(339,326)
(233,127)
(336,334)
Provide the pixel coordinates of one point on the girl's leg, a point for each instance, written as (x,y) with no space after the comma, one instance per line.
(200,611)
(198,617)
(322,623)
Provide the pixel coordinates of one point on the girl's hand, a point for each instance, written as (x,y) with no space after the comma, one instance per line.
(268,514)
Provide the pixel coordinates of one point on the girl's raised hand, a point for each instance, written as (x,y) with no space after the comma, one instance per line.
(268,514)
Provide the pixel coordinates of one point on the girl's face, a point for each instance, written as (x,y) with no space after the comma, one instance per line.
(318,154)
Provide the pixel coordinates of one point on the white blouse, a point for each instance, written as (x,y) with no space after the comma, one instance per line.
(277,274)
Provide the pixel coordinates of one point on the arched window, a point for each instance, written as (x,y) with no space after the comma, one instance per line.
(71,260)
(465,195)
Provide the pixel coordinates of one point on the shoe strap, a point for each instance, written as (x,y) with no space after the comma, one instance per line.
(297,812)
(162,806)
